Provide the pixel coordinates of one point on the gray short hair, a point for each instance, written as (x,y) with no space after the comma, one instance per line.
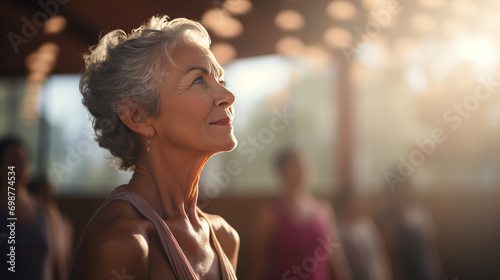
(131,66)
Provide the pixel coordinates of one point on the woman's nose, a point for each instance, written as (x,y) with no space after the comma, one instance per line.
(224,98)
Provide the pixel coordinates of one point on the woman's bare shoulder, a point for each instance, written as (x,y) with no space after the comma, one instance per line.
(114,244)
(227,236)
(222,227)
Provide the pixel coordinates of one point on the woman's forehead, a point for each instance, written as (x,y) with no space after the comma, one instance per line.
(186,56)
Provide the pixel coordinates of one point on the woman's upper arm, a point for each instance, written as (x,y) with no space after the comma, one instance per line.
(112,255)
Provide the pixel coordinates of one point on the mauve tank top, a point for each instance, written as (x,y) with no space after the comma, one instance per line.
(180,265)
(296,248)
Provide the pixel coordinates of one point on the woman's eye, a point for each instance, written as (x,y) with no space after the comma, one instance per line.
(198,80)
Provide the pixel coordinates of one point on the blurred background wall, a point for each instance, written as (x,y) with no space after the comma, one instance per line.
(377,92)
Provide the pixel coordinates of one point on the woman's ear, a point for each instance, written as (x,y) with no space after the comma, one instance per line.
(135,117)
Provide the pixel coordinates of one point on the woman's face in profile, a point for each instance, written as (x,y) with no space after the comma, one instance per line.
(195,108)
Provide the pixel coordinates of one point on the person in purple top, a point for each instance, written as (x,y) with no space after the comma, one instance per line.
(294,235)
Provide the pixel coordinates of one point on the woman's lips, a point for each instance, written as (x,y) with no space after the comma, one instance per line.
(223,122)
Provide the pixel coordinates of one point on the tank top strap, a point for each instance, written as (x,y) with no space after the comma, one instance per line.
(226,267)
(180,265)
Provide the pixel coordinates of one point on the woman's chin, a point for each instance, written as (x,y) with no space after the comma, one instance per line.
(233,146)
(229,145)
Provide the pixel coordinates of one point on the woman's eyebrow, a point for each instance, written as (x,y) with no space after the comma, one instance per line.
(204,70)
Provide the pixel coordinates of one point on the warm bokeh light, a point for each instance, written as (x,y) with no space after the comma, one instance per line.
(39,64)
(237,7)
(341,10)
(319,58)
(290,45)
(432,4)
(464,8)
(222,24)
(403,47)
(423,23)
(223,52)
(416,79)
(374,53)
(55,24)
(337,37)
(43,60)
(374,4)
(289,20)
(478,50)
(384,19)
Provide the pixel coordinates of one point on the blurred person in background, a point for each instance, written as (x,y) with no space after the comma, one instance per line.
(295,236)
(159,105)
(60,228)
(408,230)
(363,245)
(34,255)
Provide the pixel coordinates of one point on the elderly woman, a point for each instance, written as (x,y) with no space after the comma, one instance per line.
(160,106)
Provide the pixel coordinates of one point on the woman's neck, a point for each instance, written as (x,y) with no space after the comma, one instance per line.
(169,181)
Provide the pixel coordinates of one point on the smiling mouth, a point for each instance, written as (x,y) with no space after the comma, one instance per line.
(222,122)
